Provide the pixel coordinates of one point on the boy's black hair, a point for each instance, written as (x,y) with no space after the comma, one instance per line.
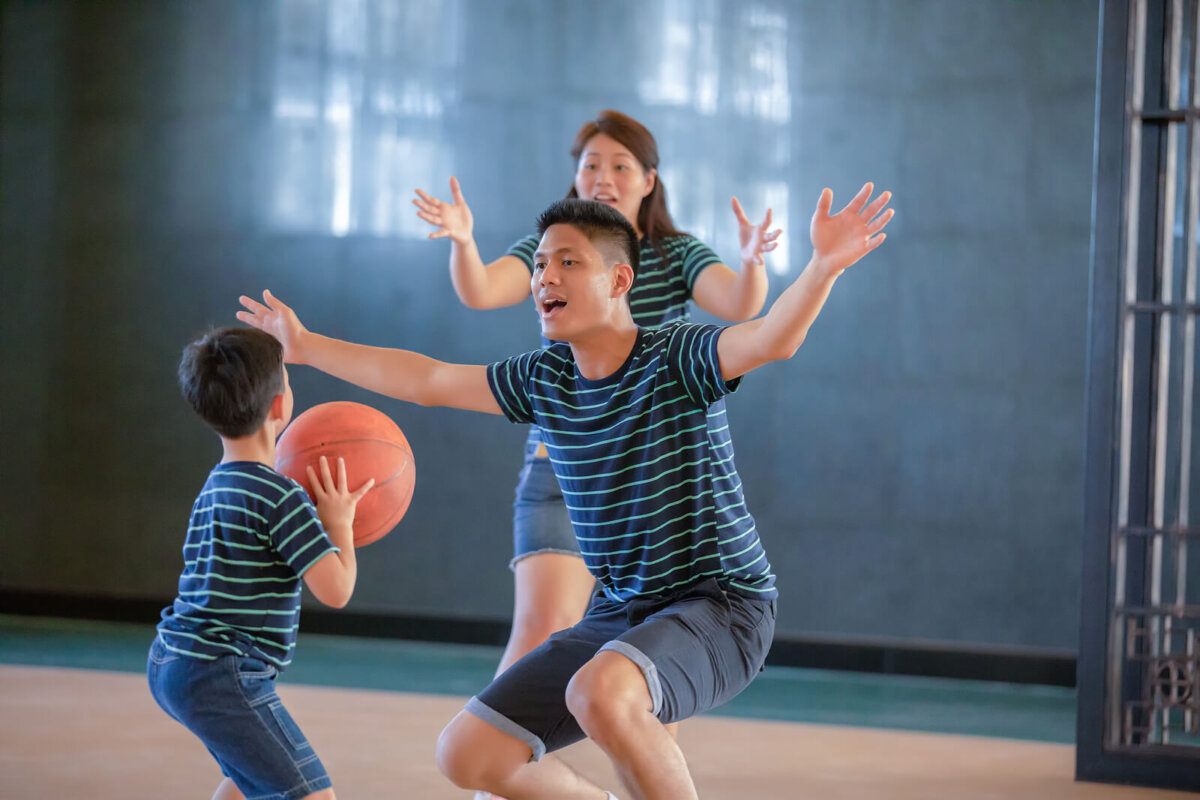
(601,224)
(229,376)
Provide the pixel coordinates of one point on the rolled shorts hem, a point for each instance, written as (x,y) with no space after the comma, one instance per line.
(646,665)
(512,565)
(505,725)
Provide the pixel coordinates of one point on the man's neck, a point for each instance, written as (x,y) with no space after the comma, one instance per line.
(601,354)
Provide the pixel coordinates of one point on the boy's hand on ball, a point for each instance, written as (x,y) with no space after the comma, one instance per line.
(335,501)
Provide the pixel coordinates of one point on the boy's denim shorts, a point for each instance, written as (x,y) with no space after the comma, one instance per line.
(540,520)
(230,703)
(696,649)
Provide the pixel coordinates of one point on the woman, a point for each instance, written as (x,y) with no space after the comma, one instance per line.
(616,163)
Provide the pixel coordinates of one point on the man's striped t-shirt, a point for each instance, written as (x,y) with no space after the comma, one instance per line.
(645,462)
(253,533)
(663,286)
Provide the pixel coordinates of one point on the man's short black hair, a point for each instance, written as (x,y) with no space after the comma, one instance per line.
(601,224)
(229,376)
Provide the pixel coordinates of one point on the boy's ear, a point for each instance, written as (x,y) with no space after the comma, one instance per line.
(622,278)
(276,411)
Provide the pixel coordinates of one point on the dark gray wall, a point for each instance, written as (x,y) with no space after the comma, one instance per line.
(915,469)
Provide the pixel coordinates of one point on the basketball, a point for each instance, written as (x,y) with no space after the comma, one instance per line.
(372,445)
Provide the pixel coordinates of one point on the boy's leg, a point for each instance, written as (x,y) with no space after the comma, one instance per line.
(231,705)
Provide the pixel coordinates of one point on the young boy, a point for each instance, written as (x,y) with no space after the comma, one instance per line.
(252,537)
(634,425)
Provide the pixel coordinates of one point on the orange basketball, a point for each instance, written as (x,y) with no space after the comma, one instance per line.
(373,447)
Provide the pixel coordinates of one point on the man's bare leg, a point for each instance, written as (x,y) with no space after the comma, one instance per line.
(475,755)
(611,701)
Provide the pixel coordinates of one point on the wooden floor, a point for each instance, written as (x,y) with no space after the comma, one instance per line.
(70,733)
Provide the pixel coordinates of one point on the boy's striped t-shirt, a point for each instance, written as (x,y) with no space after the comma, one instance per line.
(664,281)
(645,462)
(252,534)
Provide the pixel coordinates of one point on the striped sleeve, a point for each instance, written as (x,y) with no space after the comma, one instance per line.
(692,357)
(296,530)
(509,381)
(524,250)
(696,257)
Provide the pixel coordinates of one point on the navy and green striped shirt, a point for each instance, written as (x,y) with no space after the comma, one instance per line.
(663,286)
(645,462)
(253,533)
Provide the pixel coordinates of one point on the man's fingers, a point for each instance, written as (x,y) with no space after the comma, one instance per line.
(877,205)
(860,199)
(825,202)
(273,302)
(250,319)
(880,221)
(253,305)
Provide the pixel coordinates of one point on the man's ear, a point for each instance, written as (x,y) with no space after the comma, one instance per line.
(622,278)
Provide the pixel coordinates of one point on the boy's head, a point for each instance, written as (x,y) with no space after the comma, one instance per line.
(231,377)
(584,267)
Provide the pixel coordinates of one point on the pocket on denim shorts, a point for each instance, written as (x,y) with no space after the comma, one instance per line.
(160,655)
(288,725)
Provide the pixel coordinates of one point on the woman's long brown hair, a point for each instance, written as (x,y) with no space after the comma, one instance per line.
(654,220)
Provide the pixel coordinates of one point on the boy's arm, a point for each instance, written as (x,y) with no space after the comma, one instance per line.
(396,373)
(839,240)
(331,579)
(503,282)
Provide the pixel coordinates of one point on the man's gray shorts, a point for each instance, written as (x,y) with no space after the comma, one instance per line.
(697,650)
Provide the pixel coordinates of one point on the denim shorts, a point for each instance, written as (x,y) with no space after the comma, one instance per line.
(540,520)
(697,649)
(230,703)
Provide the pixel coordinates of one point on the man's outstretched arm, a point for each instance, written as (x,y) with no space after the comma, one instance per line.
(839,240)
(395,373)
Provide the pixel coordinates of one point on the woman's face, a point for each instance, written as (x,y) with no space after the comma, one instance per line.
(611,174)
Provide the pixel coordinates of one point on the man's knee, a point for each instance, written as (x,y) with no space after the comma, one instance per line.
(474,755)
(607,692)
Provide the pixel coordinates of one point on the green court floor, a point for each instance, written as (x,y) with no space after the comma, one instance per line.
(977,708)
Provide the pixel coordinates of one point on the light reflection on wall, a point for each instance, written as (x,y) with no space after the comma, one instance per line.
(358,90)
(686,71)
(742,74)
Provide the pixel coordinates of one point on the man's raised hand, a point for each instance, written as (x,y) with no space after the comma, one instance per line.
(841,239)
(276,318)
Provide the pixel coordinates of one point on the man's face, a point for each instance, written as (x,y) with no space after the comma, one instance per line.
(573,288)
